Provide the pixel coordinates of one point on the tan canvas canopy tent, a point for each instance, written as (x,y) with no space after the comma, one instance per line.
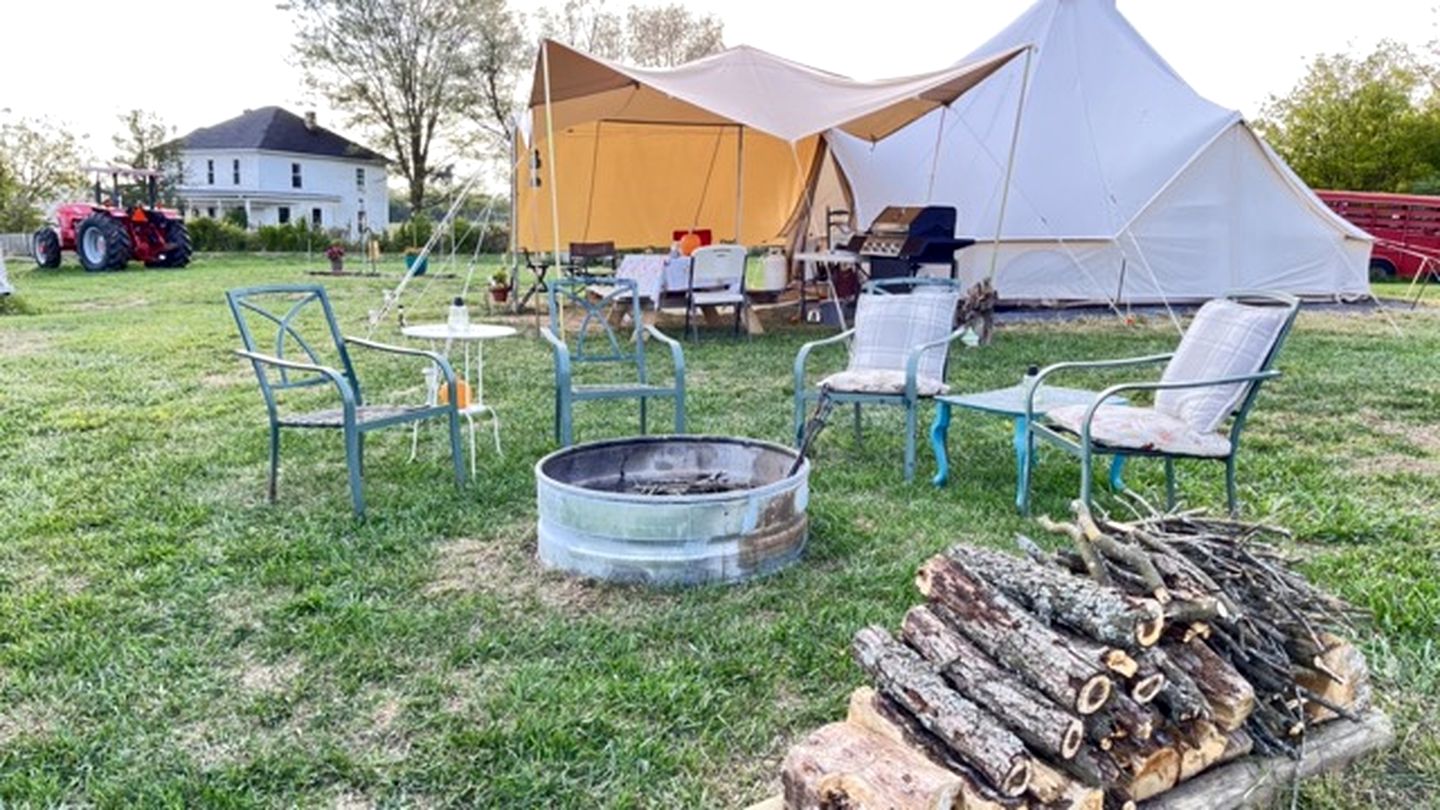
(730,142)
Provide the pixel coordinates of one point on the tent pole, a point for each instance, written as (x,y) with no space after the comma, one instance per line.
(554,192)
(739,184)
(1009,165)
(935,155)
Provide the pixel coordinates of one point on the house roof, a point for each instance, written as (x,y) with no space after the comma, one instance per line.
(279,130)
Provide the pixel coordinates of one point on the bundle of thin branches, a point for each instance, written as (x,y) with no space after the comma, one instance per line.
(1220,580)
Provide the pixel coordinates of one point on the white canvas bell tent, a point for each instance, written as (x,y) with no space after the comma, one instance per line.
(1127,185)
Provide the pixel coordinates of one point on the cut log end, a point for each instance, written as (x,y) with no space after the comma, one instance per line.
(1148,632)
(1119,662)
(1018,779)
(1073,739)
(1093,695)
(1145,689)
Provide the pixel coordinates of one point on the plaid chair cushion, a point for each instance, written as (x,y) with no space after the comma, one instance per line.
(887,327)
(878,381)
(1141,429)
(1226,339)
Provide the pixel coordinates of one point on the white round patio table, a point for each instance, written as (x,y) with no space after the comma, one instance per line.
(443,336)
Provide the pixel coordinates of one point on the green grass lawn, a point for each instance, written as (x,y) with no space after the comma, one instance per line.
(169,638)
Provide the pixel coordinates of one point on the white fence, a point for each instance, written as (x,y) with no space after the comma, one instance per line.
(15,244)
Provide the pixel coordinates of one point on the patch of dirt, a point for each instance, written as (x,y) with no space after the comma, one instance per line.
(241,610)
(105,304)
(257,676)
(23,720)
(24,343)
(208,747)
(228,379)
(505,567)
(377,735)
(353,801)
(1392,464)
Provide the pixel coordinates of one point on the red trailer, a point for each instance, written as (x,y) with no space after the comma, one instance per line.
(1406,228)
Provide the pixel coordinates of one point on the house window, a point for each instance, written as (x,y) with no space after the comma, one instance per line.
(360,221)
(210,212)
(360,179)
(235,171)
(283,214)
(210,172)
(315,217)
(295,181)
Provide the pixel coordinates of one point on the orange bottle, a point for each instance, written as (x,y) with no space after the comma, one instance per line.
(462,394)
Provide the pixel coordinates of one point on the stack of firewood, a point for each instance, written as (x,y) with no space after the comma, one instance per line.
(1101,675)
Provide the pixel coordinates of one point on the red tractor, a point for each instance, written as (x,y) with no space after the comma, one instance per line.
(106,234)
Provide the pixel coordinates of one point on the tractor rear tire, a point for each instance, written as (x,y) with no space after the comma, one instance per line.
(102,243)
(177,235)
(45,247)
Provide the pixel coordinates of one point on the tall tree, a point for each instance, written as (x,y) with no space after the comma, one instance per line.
(145,141)
(653,36)
(1358,123)
(414,72)
(39,165)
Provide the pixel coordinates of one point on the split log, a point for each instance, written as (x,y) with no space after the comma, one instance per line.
(1237,744)
(1150,767)
(1202,745)
(1231,698)
(973,733)
(881,715)
(1101,613)
(1257,782)
(1051,788)
(1014,638)
(1032,716)
(1350,690)
(841,765)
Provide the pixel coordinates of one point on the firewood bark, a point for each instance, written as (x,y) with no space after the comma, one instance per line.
(1128,718)
(1111,659)
(1032,716)
(1014,638)
(973,733)
(1101,613)
(879,714)
(841,765)
(1181,698)
(1231,698)
(1237,744)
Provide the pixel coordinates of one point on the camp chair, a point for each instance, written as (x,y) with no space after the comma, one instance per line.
(716,279)
(589,258)
(599,326)
(898,355)
(290,309)
(539,268)
(1214,375)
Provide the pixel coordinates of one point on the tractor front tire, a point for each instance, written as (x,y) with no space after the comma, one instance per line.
(45,247)
(102,243)
(177,236)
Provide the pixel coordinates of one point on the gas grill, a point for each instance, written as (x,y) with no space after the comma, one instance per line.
(903,238)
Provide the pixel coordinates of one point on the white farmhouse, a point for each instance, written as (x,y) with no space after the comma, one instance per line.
(278,167)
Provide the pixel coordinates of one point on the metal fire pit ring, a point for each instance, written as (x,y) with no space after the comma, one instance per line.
(672,510)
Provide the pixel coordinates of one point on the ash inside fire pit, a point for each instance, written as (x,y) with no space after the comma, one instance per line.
(672,510)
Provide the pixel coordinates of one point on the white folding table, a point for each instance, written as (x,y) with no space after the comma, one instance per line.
(442,336)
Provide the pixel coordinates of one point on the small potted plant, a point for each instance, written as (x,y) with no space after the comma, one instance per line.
(336,254)
(499,286)
(412,259)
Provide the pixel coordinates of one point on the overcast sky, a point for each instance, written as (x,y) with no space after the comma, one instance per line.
(80,63)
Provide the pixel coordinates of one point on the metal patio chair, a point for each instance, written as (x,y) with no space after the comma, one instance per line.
(286,308)
(901,344)
(599,325)
(1214,375)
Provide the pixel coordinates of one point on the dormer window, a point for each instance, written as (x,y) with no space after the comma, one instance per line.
(295,181)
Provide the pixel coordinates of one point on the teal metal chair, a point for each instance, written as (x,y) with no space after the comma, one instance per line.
(599,344)
(287,309)
(1243,328)
(901,345)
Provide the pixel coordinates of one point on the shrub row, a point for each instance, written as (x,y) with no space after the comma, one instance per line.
(225,235)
